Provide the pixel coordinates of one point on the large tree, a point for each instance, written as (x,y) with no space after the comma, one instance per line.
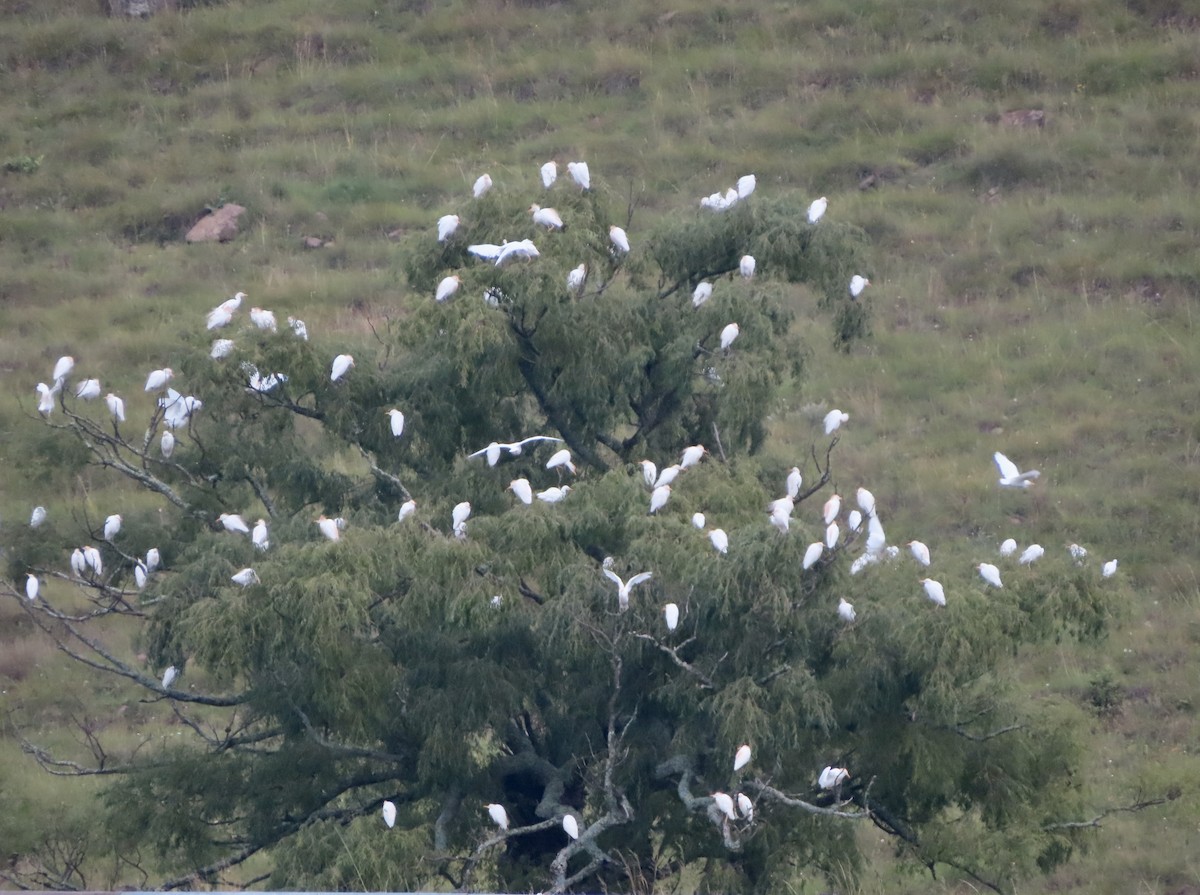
(442,668)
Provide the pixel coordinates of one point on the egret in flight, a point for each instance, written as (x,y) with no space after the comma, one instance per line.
(1010,475)
(624,587)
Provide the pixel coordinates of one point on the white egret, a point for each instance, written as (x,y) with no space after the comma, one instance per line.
(221,348)
(934,590)
(920,552)
(553,495)
(485,250)
(498,815)
(580,174)
(446,226)
(690,457)
(112,525)
(522,489)
(549,172)
(459,515)
(397,422)
(618,238)
(1010,475)
(218,317)
(624,587)
(782,506)
(990,574)
(1009,547)
(857,285)
(263,319)
(854,520)
(671,616)
(261,535)
(32,585)
(876,538)
(659,498)
(232,304)
(698,521)
(742,757)
(725,804)
(570,826)
(834,419)
(62,368)
(406,509)
(668,475)
(832,533)
(728,335)
(1077,552)
(817,209)
(794,481)
(1109,568)
(812,554)
(745,185)
(329,528)
(37,517)
(493,296)
(389,813)
(153,559)
(546,217)
(483,183)
(78,563)
(158,379)
(447,287)
(169,676)
(746,266)
(649,472)
(701,294)
(140,575)
(865,500)
(780,520)
(561,459)
(576,278)
(832,777)
(1032,553)
(720,540)
(115,406)
(167,444)
(91,556)
(745,806)
(234,522)
(45,398)
(846,610)
(341,365)
(832,507)
(493,450)
(522,248)
(88,389)
(245,577)
(299,328)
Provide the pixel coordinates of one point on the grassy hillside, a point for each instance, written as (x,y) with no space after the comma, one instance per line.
(1033,288)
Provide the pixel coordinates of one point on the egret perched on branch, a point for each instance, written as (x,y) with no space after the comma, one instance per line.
(406,509)
(580,174)
(794,481)
(817,209)
(832,533)
(846,611)
(522,489)
(854,520)
(167,444)
(832,507)
(834,419)
(812,554)
(549,172)
(725,804)
(876,537)
(866,501)
(341,365)
(234,522)
(78,563)
(153,559)
(88,389)
(570,826)
(263,319)
(62,368)
(37,517)
(659,498)
(698,521)
(245,577)
(624,587)
(329,528)
(561,459)
(920,552)
(746,266)
(498,815)
(576,278)
(701,294)
(446,226)
(522,248)
(1109,568)
(1031,553)
(668,475)
(459,516)
(140,575)
(260,536)
(112,525)
(934,591)
(447,287)
(553,495)
(720,540)
(742,757)
(690,457)
(832,777)
(649,472)
(115,406)
(1009,547)
(618,238)
(32,586)
(728,335)
(745,806)
(221,348)
(857,285)
(1010,475)
(546,217)
(397,422)
(990,574)
(671,616)
(389,813)
(483,183)
(158,379)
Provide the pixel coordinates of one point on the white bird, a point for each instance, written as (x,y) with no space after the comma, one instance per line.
(920,552)
(389,813)
(1010,476)
(263,319)
(832,532)
(812,554)
(668,475)
(659,498)
(783,506)
(112,525)
(1008,548)
(728,335)
(549,172)
(546,217)
(876,538)
(990,574)
(1077,552)
(483,183)
(486,250)
(746,266)
(260,536)
(832,507)
(701,294)
(153,559)
(576,278)
(780,519)
(167,444)
(447,287)
(397,422)
(406,509)
(91,556)
(570,826)
(832,777)
(720,540)
(580,174)
(498,815)
(140,575)
(62,368)
(515,448)
(1109,568)
(299,328)
(857,285)
(742,757)
(459,515)
(493,296)
(698,521)
(522,248)
(934,590)
(1030,554)
(232,304)
(854,520)
(329,528)
(671,616)
(560,459)
(45,398)
(522,489)
(158,379)
(833,420)
(31,586)
(725,804)
(233,522)
(618,238)
(221,348)
(341,365)
(115,406)
(745,185)
(78,563)
(846,610)
(446,226)
(690,457)
(218,317)
(794,481)
(624,587)
(169,676)
(88,389)
(745,806)
(245,577)
(553,495)
(817,209)
(37,517)
(649,472)
(865,500)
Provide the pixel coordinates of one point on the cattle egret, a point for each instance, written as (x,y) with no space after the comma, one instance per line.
(78,563)
(232,304)
(659,498)
(112,525)
(492,452)
(668,475)
(812,554)
(221,348)
(934,590)
(725,804)
(832,507)
(746,266)
(624,587)
(553,495)
(88,389)
(263,319)
(794,481)
(299,328)
(580,174)
(447,287)
(522,489)
(690,457)
(546,217)
(846,610)
(341,365)
(167,444)
(91,556)
(1010,476)
(485,250)
(832,532)
(649,472)
(1030,554)
(260,536)
(158,379)
(745,806)
(561,459)
(742,757)
(329,528)
(832,777)
(1109,569)
(876,538)
(406,509)
(218,317)
(549,172)
(865,500)
(459,515)
(233,522)
(37,517)
(397,422)
(834,419)
(990,574)
(745,185)
(523,248)
(115,406)
(719,539)
(31,586)
(245,578)
(728,335)
(701,294)
(570,826)
(1077,553)
(62,368)
(780,519)
(1008,548)
(618,238)
(153,559)
(498,815)
(483,183)
(576,278)
(817,209)
(854,520)
(671,616)
(45,398)
(783,506)
(446,225)
(920,552)
(857,285)
(140,575)
(389,813)
(698,521)
(169,676)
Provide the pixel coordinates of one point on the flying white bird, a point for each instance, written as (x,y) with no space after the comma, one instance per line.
(832,532)
(1030,554)
(832,507)
(624,587)
(865,500)
(794,481)
(659,498)
(447,287)
(1010,476)
(920,552)
(522,489)
(260,536)
(701,294)
(406,509)
(857,285)
(522,248)
(846,610)
(720,540)
(112,525)
(553,495)
(690,457)
(834,419)
(668,475)
(990,574)
(649,472)
(88,389)
(1008,548)
(580,174)
(561,458)
(934,590)
(854,520)
(745,185)
(742,757)
(570,826)
(341,365)
(817,209)
(389,813)
(397,422)
(546,217)
(32,586)
(329,528)
(671,616)
(245,577)
(549,172)
(37,517)
(618,238)
(728,334)
(263,319)
(153,559)
(812,554)
(698,521)
(493,451)
(62,368)
(1109,569)
(725,804)
(167,444)
(576,278)
(446,226)
(233,522)
(221,348)
(832,777)
(169,676)
(745,806)
(115,406)
(485,250)
(483,183)
(746,266)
